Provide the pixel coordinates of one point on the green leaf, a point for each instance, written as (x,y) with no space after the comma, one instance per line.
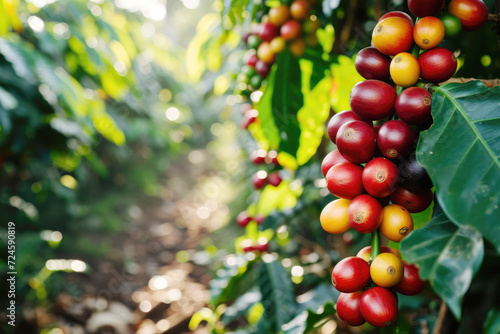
(345,77)
(492,323)
(310,320)
(447,255)
(461,153)
(227,285)
(278,297)
(17,53)
(312,117)
(264,106)
(282,99)
(241,305)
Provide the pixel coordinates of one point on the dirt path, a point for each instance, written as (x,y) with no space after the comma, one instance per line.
(146,284)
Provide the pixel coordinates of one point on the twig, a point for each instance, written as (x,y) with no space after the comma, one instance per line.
(440,320)
(493,17)
(487,82)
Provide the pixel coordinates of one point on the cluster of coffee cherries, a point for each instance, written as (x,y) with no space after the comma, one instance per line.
(369,291)
(395,34)
(283,26)
(373,171)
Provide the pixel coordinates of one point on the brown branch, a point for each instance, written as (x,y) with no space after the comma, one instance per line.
(347,28)
(493,17)
(438,328)
(488,83)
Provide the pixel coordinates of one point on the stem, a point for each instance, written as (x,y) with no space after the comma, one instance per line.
(415,50)
(375,244)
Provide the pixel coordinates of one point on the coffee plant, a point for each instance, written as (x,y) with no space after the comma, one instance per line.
(373,136)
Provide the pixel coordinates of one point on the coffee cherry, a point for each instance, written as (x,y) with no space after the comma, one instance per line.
(259,219)
(380,177)
(365,252)
(422,8)
(248,71)
(250,58)
(278,15)
(472,13)
(411,284)
(386,270)
(348,308)
(249,118)
(379,307)
(253,41)
(413,176)
(392,36)
(396,223)
(351,274)
(428,32)
(274,179)
(248,249)
(373,99)
(258,157)
(255,81)
(265,53)
(404,69)
(297,47)
(452,25)
(412,201)
(365,214)
(299,10)
(397,14)
(340,119)
(331,159)
(262,68)
(267,32)
(259,179)
(356,141)
(272,158)
(290,30)
(245,38)
(334,217)
(261,247)
(344,180)
(413,105)
(310,26)
(243,219)
(437,65)
(395,139)
(277,45)
(373,64)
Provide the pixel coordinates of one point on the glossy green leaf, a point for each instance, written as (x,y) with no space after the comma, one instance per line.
(278,297)
(282,99)
(264,106)
(461,153)
(312,117)
(345,77)
(447,255)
